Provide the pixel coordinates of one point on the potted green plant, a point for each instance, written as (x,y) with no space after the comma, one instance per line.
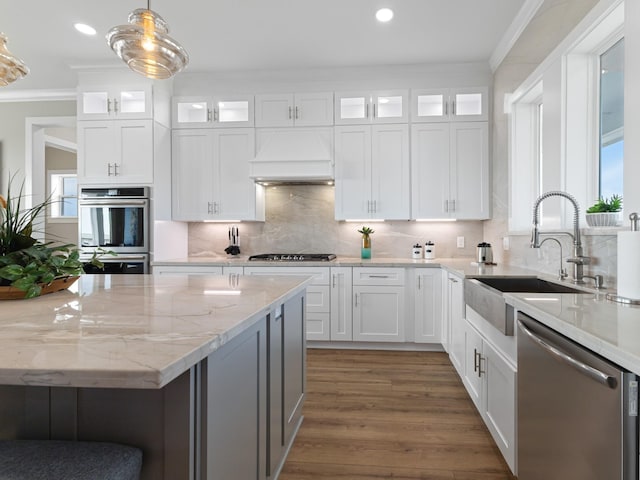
(365,251)
(28,267)
(606,212)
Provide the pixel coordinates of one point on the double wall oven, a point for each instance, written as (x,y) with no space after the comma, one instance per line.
(115,219)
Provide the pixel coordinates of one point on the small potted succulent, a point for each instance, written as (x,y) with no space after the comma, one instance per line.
(365,251)
(606,212)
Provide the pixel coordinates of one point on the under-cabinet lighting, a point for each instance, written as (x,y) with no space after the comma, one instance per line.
(222,292)
(435,219)
(539,299)
(222,221)
(365,220)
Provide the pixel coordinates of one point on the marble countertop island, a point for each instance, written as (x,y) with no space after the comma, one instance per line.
(130,331)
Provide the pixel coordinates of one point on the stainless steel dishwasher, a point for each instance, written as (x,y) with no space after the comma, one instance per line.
(577,413)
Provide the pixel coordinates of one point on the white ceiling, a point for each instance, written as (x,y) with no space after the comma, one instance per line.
(232,35)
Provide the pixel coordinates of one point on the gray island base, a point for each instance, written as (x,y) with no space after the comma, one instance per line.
(206,374)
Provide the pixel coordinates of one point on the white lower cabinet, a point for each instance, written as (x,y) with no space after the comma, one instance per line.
(189,269)
(378,304)
(456,321)
(341,322)
(428,305)
(318,296)
(490,380)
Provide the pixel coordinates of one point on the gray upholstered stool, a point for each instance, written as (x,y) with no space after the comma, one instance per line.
(68,460)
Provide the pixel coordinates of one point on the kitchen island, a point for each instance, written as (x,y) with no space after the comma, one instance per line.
(184,367)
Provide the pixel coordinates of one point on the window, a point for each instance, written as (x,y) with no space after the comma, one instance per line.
(64,194)
(610,178)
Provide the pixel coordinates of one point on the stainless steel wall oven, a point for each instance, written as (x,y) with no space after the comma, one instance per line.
(116,219)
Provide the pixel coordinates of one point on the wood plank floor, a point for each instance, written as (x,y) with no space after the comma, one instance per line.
(396,415)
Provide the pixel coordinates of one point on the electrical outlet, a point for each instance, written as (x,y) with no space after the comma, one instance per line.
(460,242)
(506,244)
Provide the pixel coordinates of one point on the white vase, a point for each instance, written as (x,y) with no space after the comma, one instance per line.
(604,219)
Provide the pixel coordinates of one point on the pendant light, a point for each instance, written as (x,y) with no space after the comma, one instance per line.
(11,68)
(145,47)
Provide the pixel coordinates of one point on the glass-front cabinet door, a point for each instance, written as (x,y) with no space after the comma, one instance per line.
(212,112)
(371,107)
(102,103)
(449,105)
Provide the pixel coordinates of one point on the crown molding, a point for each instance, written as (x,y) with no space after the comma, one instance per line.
(39,95)
(514,31)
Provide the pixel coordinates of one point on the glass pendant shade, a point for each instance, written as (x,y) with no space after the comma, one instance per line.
(11,68)
(145,47)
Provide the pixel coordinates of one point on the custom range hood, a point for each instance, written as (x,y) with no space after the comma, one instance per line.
(293,155)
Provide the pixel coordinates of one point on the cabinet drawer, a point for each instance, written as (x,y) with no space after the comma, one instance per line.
(378,276)
(320,274)
(318,326)
(318,299)
(190,269)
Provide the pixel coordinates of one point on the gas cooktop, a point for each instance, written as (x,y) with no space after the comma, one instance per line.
(292,257)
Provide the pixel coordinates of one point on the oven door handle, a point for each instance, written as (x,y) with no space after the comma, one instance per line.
(117,259)
(588,370)
(113,202)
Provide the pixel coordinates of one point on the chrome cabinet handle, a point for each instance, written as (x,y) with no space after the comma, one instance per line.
(115,170)
(375,206)
(475,360)
(375,113)
(216,115)
(108,105)
(446,108)
(333,281)
(453,107)
(379,276)
(297,114)
(480,371)
(108,169)
(453,280)
(419,282)
(366,111)
(368,206)
(209,115)
(453,205)
(115,106)
(209,208)
(446,205)
(356,300)
(582,367)
(290,115)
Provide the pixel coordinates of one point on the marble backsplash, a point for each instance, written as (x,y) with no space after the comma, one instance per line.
(300,218)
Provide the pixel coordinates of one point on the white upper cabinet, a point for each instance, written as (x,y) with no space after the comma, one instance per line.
(299,109)
(450,105)
(372,172)
(104,103)
(212,112)
(353,108)
(450,171)
(115,152)
(210,173)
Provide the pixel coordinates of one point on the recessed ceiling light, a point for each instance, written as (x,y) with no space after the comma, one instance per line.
(384,14)
(84,28)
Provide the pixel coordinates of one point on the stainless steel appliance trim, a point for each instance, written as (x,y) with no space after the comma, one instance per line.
(582,367)
(116,201)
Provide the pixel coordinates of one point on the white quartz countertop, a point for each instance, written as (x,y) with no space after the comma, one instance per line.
(130,331)
(609,328)
(460,266)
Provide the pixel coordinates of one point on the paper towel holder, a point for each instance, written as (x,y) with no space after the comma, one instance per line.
(616,298)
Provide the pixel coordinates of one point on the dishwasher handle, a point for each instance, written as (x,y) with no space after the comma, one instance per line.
(588,370)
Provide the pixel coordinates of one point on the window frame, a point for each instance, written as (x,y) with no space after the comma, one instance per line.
(54,208)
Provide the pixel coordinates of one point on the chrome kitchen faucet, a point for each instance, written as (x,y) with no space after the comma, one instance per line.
(577,259)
